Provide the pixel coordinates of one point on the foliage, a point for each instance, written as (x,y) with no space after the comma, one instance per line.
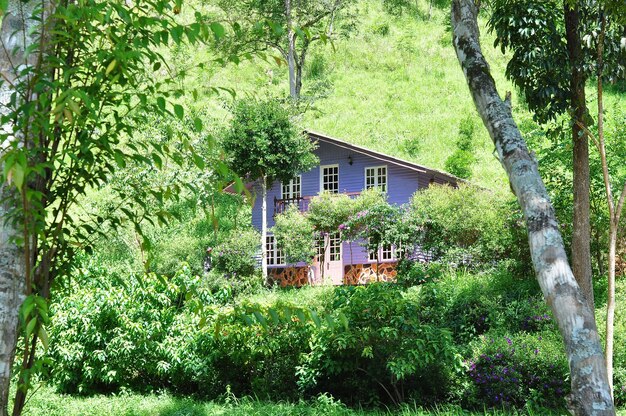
(535,32)
(413,273)
(235,256)
(467,225)
(371,221)
(121,332)
(263,142)
(328,211)
(382,352)
(294,234)
(75,96)
(517,371)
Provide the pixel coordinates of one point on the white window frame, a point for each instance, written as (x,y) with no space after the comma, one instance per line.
(384,253)
(292,185)
(336,256)
(322,176)
(377,181)
(275,256)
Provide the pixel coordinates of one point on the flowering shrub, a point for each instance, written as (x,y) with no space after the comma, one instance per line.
(515,371)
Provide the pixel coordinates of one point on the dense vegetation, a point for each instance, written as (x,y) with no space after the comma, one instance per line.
(141,316)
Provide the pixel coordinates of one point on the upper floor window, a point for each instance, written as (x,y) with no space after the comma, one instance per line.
(275,256)
(329,178)
(292,189)
(376,176)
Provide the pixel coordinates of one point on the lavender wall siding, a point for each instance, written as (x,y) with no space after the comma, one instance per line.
(402,183)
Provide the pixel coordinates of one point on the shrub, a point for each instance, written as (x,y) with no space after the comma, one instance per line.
(295,235)
(413,273)
(384,353)
(111,332)
(466,224)
(517,370)
(236,255)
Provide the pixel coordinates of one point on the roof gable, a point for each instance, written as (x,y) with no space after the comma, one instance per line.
(447,177)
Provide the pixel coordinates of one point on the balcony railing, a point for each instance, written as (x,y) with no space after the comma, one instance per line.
(281,205)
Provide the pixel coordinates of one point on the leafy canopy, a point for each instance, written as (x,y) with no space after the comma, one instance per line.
(263,142)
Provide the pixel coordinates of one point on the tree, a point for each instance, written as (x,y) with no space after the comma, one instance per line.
(286,26)
(551,64)
(615,204)
(590,389)
(77,82)
(294,235)
(263,144)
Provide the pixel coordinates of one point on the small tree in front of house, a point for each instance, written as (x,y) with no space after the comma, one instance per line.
(371,221)
(295,235)
(263,144)
(326,213)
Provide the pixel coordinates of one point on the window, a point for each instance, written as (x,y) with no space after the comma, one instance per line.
(334,246)
(330,178)
(292,189)
(376,176)
(385,253)
(320,245)
(275,256)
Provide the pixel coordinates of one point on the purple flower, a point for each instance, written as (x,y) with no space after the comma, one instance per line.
(508,341)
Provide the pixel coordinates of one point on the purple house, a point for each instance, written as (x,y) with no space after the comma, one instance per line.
(349,169)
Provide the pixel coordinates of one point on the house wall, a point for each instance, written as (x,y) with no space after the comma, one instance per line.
(402,183)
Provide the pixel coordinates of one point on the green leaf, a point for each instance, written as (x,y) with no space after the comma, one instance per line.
(218,30)
(197,123)
(157,160)
(179,111)
(316,319)
(30,327)
(43,336)
(111,67)
(198,161)
(161,103)
(16,174)
(261,319)
(4,5)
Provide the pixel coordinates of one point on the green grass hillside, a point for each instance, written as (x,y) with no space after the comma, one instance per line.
(393,85)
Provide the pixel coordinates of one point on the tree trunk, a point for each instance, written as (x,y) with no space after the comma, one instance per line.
(17,33)
(581,237)
(291,61)
(590,389)
(264,229)
(12,294)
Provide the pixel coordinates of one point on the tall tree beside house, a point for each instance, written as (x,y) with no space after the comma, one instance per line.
(77,82)
(591,393)
(264,145)
(287,27)
(551,63)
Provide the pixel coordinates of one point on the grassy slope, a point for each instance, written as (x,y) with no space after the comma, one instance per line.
(402,93)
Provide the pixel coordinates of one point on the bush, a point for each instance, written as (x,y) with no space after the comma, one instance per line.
(467,225)
(383,353)
(517,371)
(236,255)
(110,332)
(413,273)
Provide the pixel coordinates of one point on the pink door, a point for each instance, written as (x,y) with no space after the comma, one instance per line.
(334,262)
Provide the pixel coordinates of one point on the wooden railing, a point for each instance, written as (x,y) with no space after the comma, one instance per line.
(281,205)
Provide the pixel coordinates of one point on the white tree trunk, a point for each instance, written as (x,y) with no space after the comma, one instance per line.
(264,228)
(590,388)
